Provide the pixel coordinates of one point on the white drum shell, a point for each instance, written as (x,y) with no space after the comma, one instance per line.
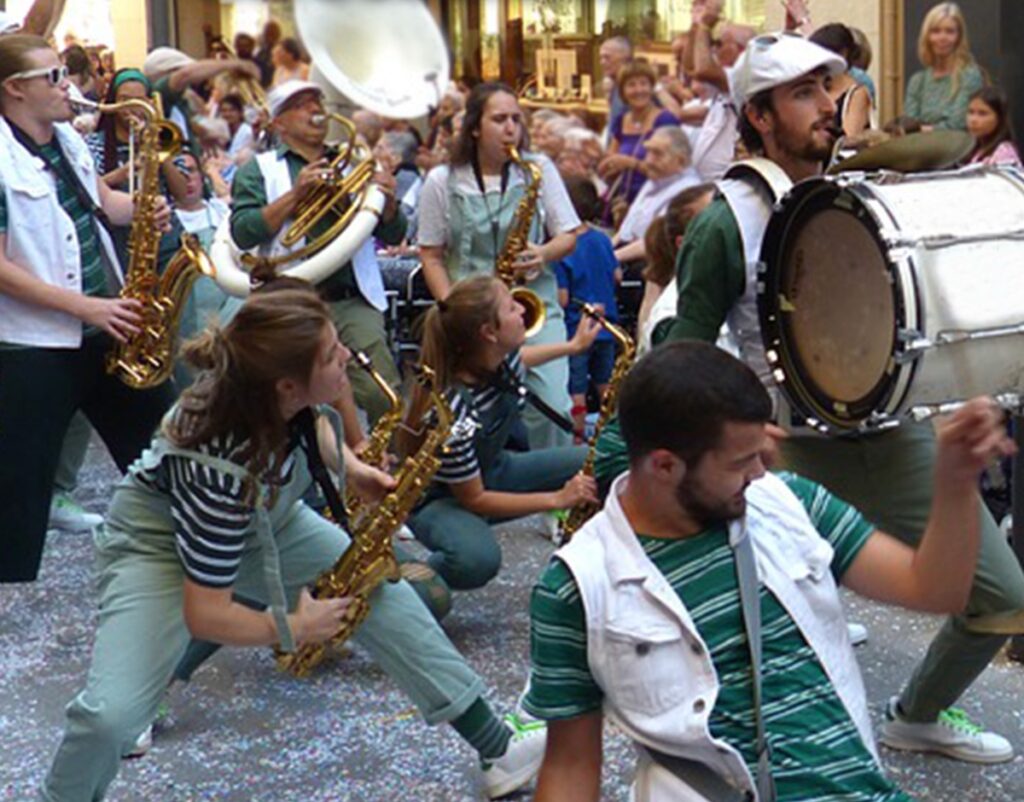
(953,237)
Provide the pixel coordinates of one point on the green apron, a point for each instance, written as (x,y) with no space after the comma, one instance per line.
(472,249)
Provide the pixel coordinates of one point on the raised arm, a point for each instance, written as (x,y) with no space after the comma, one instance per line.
(937,576)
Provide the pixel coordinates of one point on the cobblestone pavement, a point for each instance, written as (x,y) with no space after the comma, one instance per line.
(241,731)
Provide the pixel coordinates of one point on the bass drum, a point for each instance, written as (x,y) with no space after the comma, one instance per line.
(886,295)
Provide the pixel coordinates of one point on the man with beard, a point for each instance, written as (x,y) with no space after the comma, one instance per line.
(646,616)
(781,87)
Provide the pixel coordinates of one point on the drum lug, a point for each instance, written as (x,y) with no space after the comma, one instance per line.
(914,344)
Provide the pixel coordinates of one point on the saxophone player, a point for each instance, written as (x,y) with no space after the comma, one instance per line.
(233,461)
(473,341)
(467,213)
(265,195)
(59,314)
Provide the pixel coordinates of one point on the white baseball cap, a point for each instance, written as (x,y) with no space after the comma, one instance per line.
(9,23)
(773,59)
(162,60)
(279,96)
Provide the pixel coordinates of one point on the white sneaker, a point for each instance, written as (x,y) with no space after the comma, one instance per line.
(551,525)
(953,735)
(858,634)
(521,761)
(142,744)
(69,515)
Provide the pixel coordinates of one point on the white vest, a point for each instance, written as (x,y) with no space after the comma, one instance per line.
(41,238)
(648,657)
(751,189)
(278,180)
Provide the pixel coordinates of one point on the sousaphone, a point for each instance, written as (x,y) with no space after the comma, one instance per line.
(387,56)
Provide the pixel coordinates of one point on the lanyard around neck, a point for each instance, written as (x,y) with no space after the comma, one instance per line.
(493,218)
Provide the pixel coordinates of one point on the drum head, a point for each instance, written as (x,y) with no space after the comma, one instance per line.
(841,317)
(829,310)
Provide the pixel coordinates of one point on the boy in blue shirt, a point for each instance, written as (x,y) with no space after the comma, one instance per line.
(588,274)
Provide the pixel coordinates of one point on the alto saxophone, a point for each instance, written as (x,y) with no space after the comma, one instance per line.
(146,358)
(582,512)
(370,559)
(383,430)
(515,243)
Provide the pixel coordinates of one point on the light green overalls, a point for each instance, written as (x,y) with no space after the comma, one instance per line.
(471,250)
(142,634)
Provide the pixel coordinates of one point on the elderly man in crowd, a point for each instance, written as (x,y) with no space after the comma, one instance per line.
(612,54)
(668,170)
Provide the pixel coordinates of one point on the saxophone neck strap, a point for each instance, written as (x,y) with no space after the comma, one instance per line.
(305,425)
(63,170)
(504,379)
(494,218)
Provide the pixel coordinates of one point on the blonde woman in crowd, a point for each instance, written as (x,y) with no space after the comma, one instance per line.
(938,94)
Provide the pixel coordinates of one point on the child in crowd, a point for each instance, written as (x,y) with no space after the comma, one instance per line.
(588,274)
(988,121)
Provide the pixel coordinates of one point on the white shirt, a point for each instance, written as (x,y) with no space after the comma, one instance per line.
(209,216)
(716,144)
(558,212)
(651,202)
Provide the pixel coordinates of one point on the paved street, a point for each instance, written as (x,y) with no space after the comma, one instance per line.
(241,731)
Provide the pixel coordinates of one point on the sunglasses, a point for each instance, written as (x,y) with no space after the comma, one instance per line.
(55,76)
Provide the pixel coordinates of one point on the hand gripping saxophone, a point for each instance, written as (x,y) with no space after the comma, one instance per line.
(383,430)
(145,359)
(515,243)
(581,513)
(370,559)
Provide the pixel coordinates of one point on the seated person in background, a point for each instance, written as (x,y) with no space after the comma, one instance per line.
(242,145)
(662,241)
(588,274)
(551,137)
(643,617)
(630,132)
(581,152)
(988,121)
(668,170)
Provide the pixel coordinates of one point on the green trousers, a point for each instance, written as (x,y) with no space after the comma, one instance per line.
(361,328)
(889,478)
(142,635)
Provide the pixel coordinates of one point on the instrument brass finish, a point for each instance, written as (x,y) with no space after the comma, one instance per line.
(515,243)
(370,558)
(582,513)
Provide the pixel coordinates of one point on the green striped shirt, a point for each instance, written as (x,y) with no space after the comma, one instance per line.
(817,750)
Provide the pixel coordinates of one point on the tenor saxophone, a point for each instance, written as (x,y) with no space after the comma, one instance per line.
(582,512)
(517,240)
(370,559)
(145,359)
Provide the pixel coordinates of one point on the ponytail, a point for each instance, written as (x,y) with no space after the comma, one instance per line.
(276,334)
(450,345)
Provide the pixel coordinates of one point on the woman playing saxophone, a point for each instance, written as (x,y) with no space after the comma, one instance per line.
(471,211)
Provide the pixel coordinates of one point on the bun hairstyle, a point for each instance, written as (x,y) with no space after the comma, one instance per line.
(451,342)
(277,334)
